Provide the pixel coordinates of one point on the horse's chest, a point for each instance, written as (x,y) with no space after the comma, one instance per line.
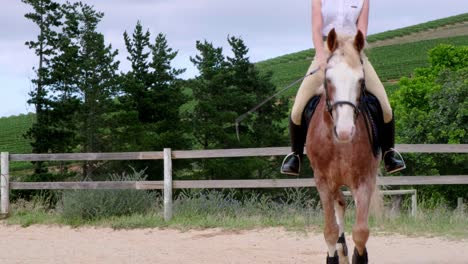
(342,162)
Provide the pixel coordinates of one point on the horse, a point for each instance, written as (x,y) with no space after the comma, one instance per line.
(339,147)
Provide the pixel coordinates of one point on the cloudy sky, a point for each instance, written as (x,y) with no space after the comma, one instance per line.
(269,28)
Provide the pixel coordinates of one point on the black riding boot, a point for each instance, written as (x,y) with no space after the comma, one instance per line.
(392,163)
(292,162)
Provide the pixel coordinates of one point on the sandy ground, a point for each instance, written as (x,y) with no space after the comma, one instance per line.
(45,244)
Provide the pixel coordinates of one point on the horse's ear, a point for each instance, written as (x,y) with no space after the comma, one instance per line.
(359,41)
(332,42)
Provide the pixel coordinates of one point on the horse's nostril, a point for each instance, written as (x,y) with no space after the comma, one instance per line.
(344,134)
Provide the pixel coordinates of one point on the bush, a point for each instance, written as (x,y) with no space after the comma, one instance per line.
(95,204)
(237,204)
(431,108)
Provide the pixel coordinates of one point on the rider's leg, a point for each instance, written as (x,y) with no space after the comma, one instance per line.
(375,86)
(309,88)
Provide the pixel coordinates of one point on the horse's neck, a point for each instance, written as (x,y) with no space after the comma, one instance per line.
(324,119)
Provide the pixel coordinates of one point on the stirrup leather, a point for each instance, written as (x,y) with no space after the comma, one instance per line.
(286,158)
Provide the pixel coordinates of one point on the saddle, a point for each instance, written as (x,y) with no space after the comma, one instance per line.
(370,109)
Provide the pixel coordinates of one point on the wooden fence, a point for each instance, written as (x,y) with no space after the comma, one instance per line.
(168,184)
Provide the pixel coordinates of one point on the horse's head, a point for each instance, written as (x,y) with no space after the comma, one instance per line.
(344,82)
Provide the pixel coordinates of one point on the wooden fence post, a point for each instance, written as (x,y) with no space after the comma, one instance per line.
(460,205)
(167,184)
(396,205)
(414,203)
(5,184)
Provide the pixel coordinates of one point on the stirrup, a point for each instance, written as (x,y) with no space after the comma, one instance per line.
(284,161)
(399,155)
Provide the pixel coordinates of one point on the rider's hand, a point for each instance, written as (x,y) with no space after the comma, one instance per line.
(321,60)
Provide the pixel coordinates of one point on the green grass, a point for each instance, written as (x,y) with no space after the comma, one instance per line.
(12,130)
(395,61)
(391,62)
(297,211)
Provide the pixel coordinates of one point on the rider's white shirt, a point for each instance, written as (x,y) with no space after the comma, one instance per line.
(341,15)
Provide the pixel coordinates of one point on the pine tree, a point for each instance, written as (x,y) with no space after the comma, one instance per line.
(137,81)
(226,88)
(210,92)
(46,15)
(263,126)
(165,97)
(152,97)
(152,90)
(83,82)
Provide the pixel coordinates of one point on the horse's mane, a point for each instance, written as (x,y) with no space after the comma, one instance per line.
(347,50)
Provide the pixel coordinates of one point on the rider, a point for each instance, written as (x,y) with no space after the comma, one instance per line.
(347,17)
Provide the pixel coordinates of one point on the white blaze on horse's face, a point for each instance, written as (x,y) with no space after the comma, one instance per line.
(345,83)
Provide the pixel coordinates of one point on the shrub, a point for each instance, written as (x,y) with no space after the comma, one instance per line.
(95,204)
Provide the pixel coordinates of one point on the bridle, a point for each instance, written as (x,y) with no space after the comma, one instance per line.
(357,108)
(331,106)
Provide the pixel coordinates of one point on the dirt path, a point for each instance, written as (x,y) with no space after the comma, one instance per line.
(43,244)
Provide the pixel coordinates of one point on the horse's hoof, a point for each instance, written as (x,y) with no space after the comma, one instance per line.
(333,260)
(358,259)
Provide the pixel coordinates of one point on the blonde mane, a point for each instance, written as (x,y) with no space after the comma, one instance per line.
(348,51)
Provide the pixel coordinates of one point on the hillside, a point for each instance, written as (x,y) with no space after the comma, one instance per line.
(12,130)
(394,53)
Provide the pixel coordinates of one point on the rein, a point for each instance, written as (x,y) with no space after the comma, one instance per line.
(243,116)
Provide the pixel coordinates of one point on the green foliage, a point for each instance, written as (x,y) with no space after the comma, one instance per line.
(47,17)
(431,108)
(226,88)
(76,79)
(152,91)
(94,204)
(149,106)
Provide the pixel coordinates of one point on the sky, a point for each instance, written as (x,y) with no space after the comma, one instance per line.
(268,28)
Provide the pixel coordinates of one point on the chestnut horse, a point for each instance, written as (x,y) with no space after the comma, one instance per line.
(339,148)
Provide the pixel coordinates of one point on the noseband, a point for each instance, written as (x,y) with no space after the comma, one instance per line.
(331,106)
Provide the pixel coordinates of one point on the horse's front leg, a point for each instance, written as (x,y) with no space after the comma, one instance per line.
(331,229)
(362,196)
(340,207)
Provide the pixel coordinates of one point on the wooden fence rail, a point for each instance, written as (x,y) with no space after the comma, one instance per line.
(168,184)
(217,153)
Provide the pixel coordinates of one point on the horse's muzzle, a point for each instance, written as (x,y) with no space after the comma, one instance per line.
(344,135)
